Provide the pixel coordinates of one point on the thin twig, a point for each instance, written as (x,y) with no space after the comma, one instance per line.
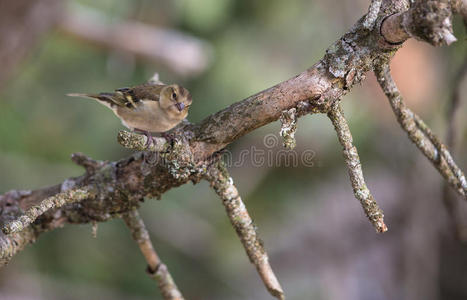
(56,201)
(361,191)
(156,269)
(222,183)
(454,105)
(372,14)
(89,164)
(420,134)
(450,200)
(288,128)
(444,152)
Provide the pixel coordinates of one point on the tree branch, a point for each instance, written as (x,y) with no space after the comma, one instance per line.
(89,164)
(454,104)
(450,201)
(361,191)
(420,134)
(288,128)
(223,185)
(56,201)
(139,142)
(429,21)
(372,14)
(121,185)
(156,269)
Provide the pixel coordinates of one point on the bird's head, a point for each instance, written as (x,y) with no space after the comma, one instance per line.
(175,100)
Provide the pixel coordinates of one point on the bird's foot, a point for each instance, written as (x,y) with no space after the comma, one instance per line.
(170,137)
(150,140)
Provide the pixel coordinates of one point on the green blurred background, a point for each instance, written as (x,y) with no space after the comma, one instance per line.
(319,241)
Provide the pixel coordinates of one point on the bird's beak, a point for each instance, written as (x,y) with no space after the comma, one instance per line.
(180,106)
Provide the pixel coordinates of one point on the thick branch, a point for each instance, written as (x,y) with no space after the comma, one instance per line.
(222,183)
(140,142)
(121,185)
(156,269)
(12,244)
(429,21)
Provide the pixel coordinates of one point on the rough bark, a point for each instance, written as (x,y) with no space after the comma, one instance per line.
(116,187)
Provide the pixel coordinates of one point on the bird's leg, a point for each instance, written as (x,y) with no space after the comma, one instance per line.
(149,158)
(150,139)
(170,137)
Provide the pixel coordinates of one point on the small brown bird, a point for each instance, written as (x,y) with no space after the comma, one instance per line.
(147,107)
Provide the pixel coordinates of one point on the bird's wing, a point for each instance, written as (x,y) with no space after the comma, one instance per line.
(127,97)
(145,91)
(131,97)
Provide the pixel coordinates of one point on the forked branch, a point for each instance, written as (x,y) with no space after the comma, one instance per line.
(121,185)
(420,134)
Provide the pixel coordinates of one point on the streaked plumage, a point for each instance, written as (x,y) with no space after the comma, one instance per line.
(148,107)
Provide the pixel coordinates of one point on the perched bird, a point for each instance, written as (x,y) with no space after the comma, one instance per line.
(147,107)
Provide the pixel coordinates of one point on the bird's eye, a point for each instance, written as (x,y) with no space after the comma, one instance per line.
(174,96)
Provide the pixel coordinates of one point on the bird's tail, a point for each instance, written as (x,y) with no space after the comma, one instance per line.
(104,98)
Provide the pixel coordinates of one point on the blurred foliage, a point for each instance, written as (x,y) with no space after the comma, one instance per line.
(257,44)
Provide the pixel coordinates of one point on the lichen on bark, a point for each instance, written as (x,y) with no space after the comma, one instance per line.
(120,186)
